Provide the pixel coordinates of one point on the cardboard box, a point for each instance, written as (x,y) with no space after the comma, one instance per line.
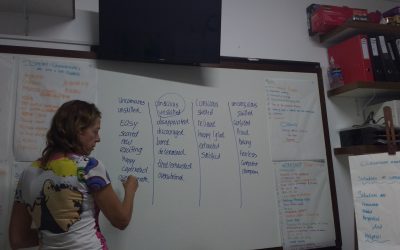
(324,18)
(392,12)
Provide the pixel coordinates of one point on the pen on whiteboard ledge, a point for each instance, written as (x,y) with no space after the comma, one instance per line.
(253,59)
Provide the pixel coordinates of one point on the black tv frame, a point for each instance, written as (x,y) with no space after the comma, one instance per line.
(173,31)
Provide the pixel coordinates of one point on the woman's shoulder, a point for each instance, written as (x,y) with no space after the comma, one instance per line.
(83,161)
(62,165)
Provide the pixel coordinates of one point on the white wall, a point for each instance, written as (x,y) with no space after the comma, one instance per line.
(270,29)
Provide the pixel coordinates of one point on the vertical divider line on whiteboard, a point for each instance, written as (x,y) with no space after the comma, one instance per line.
(237,152)
(198,155)
(154,156)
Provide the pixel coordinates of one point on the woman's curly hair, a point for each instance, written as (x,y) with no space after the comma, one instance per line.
(70,119)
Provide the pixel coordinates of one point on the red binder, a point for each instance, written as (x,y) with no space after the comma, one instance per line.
(353,57)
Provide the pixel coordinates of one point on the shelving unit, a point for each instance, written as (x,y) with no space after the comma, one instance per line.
(361,89)
(364,90)
(360,150)
(60,8)
(351,28)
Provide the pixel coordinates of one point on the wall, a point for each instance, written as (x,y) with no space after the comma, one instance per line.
(273,29)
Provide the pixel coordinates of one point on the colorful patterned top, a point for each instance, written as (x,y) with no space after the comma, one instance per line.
(60,202)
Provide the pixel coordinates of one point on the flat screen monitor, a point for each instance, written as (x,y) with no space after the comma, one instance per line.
(170,31)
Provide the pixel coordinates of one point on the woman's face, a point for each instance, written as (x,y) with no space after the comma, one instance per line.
(89,137)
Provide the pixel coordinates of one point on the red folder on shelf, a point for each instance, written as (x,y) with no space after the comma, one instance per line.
(353,57)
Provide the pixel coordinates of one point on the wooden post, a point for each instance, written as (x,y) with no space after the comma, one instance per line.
(390,134)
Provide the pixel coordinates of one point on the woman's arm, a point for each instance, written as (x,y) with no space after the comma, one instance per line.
(117,212)
(21,235)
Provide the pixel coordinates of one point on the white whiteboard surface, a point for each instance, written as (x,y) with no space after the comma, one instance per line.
(205,198)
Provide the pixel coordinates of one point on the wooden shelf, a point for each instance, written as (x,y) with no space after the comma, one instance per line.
(60,8)
(360,150)
(362,89)
(351,28)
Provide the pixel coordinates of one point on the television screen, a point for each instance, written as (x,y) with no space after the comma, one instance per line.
(171,31)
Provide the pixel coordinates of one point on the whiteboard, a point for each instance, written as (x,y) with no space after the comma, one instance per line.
(206,176)
(235,200)
(209,156)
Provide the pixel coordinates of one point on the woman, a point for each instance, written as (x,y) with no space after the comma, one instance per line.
(59,197)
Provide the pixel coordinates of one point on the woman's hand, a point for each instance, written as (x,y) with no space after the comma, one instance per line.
(131,184)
